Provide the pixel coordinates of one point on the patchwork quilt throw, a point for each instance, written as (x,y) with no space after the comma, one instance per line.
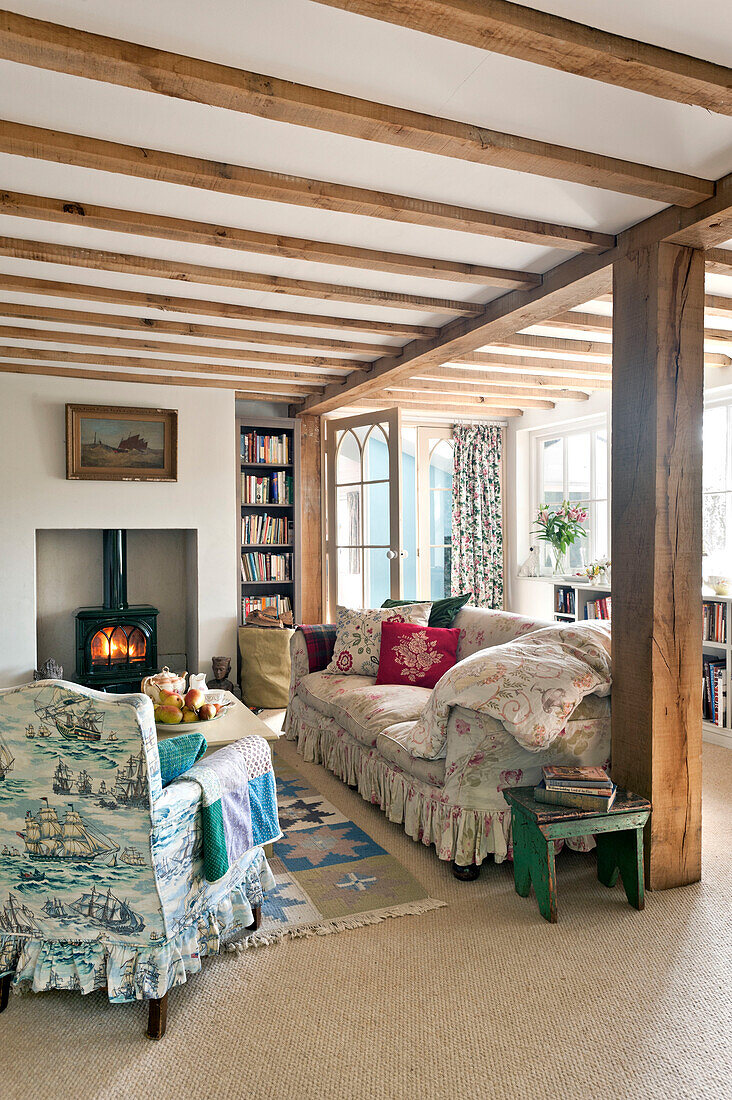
(238,803)
(531,685)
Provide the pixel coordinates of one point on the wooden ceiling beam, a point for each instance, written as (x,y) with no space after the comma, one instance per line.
(715,305)
(536,362)
(463,400)
(52,336)
(544,39)
(66,212)
(582,322)
(556,344)
(604,354)
(253,183)
(549,380)
(153,268)
(34,42)
(593,322)
(293,382)
(530,365)
(457,409)
(261,394)
(147,326)
(718,261)
(448,388)
(572,283)
(21,284)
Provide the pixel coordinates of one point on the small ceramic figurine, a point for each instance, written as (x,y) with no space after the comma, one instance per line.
(51,670)
(221,682)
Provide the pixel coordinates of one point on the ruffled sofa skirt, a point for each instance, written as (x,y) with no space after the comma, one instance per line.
(458,833)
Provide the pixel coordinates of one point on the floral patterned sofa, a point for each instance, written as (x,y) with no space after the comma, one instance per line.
(101,868)
(360,731)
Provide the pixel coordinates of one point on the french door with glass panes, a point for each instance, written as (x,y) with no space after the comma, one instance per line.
(364,509)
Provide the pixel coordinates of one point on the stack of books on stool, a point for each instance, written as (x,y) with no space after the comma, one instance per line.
(587,787)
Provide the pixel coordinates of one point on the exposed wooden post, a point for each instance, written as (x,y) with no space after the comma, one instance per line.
(310,520)
(658,383)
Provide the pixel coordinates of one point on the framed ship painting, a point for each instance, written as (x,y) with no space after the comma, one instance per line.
(114,443)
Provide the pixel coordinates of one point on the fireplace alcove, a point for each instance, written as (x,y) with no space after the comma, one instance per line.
(113,648)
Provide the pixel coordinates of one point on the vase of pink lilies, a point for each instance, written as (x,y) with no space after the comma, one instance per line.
(560,526)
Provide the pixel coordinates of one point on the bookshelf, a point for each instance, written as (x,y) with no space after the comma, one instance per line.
(571,600)
(579,601)
(268,490)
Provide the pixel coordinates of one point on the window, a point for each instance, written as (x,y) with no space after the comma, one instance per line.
(427,462)
(573,464)
(717,490)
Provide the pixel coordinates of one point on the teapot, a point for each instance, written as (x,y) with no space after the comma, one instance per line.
(165,680)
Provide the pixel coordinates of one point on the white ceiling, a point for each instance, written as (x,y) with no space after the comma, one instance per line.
(320,46)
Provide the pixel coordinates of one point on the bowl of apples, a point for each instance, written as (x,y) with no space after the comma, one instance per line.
(194,707)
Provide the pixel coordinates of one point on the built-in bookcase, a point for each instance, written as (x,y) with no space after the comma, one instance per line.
(575,601)
(580,601)
(268,485)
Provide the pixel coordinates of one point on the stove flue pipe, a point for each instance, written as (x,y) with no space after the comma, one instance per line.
(114,548)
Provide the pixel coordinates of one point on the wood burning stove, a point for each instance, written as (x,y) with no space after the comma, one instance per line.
(116,645)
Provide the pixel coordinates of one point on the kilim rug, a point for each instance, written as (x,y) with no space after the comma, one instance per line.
(330,875)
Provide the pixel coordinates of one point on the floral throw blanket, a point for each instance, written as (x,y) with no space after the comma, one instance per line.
(531,685)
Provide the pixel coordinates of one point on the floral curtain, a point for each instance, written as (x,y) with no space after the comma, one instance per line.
(477,517)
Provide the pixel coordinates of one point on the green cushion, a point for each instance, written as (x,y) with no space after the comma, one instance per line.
(443,611)
(178,754)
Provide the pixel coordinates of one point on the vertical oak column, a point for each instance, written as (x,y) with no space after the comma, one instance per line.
(657,407)
(311,557)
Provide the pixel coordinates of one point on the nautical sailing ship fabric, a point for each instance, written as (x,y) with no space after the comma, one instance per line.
(101,871)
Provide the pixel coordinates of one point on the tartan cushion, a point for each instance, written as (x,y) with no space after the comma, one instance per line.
(320,641)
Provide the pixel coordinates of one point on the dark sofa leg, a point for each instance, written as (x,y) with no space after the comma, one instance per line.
(157,1019)
(5,991)
(466,874)
(257,915)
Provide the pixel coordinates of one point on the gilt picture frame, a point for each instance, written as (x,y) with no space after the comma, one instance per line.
(121,443)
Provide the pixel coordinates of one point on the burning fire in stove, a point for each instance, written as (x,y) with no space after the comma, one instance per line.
(115,645)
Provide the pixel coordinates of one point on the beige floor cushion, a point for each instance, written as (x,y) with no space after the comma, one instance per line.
(265,666)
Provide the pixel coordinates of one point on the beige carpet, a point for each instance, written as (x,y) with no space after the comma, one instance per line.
(482,999)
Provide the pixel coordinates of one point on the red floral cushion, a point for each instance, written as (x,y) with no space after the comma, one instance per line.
(416,655)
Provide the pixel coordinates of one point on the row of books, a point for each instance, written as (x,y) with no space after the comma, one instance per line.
(266,530)
(266,448)
(581,787)
(600,608)
(714,690)
(281,604)
(275,488)
(266,567)
(714,622)
(564,601)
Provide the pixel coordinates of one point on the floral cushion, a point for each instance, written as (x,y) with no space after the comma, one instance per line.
(358,639)
(361,707)
(417,655)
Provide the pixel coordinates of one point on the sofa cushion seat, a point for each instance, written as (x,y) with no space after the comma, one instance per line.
(391,744)
(359,705)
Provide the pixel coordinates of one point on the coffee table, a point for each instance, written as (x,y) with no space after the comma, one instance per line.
(238,721)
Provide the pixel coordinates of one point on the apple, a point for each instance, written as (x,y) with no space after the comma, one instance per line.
(194,699)
(207,712)
(169,716)
(172,699)
(189,715)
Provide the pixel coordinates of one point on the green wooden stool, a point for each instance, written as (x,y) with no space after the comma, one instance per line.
(618,833)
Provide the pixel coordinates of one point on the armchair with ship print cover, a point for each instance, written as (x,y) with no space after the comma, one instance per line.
(101,870)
